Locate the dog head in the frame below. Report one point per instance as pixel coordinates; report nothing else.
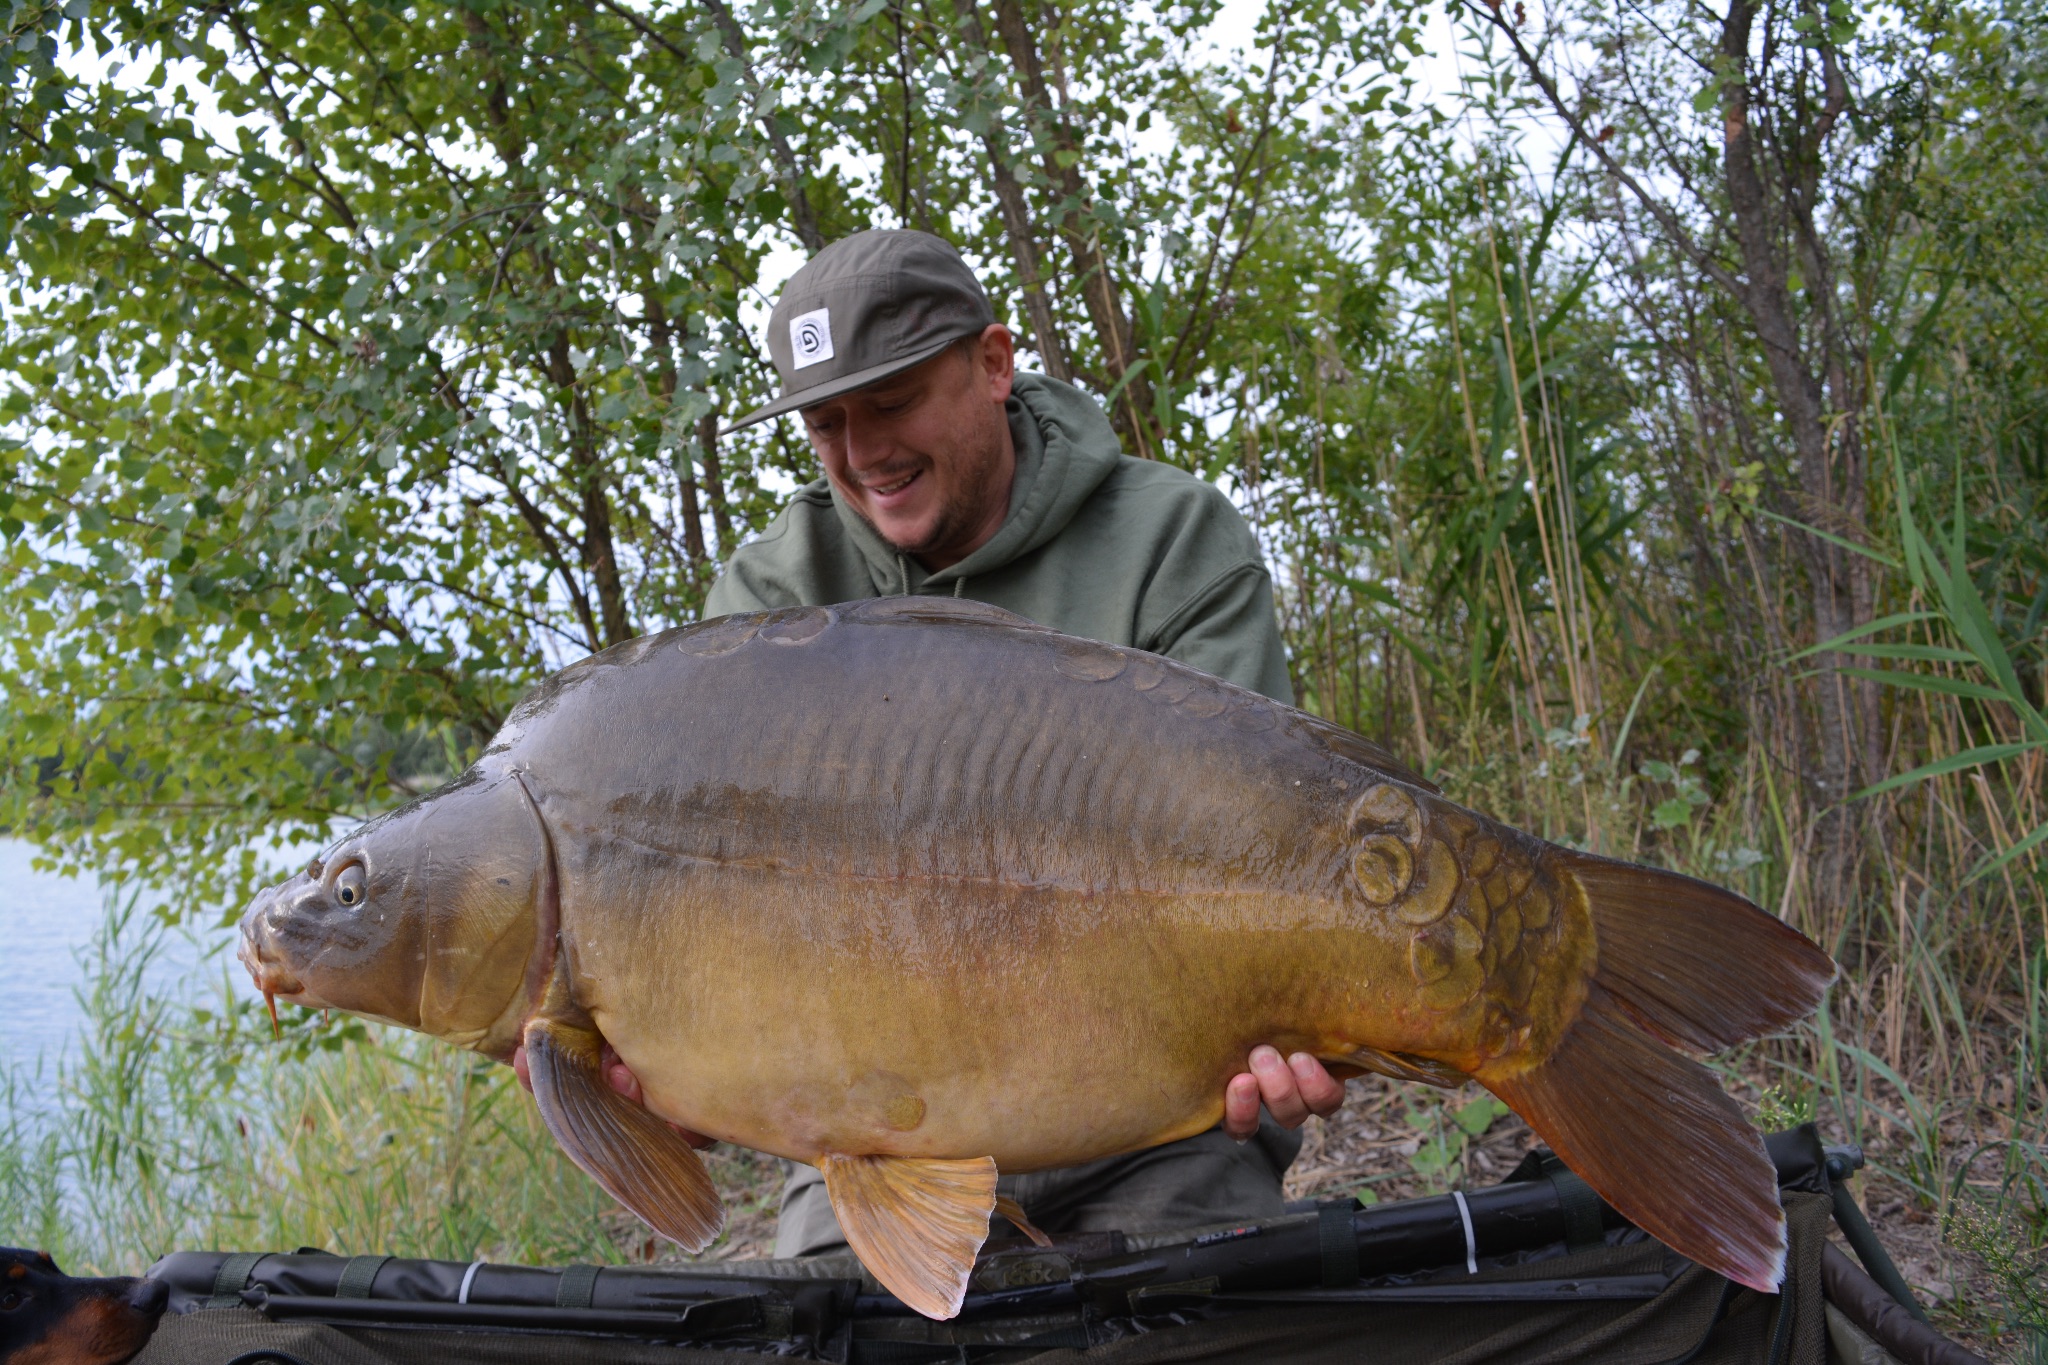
(50, 1318)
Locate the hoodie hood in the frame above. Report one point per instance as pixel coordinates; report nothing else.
(1065, 449)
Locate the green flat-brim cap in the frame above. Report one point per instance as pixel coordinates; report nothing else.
(866, 307)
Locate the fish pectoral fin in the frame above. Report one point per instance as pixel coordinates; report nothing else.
(1405, 1066)
(1014, 1212)
(641, 1161)
(915, 1222)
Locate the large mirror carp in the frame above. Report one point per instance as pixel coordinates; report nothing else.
(908, 889)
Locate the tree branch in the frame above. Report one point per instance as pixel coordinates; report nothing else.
(802, 218)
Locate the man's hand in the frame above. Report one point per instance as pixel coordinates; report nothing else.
(1292, 1089)
(623, 1080)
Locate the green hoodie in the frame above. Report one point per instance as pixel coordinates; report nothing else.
(1127, 551)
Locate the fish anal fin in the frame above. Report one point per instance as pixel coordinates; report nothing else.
(1405, 1066)
(1685, 1167)
(915, 1222)
(641, 1161)
(1014, 1212)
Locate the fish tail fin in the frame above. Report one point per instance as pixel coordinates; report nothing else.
(1697, 965)
(1681, 965)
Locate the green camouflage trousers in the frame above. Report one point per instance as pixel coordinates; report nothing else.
(1208, 1178)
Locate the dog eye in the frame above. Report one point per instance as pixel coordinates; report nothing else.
(11, 1301)
(348, 887)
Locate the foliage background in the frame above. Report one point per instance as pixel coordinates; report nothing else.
(1643, 407)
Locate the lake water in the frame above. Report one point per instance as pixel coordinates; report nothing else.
(46, 927)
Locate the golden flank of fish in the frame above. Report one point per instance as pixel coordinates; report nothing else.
(910, 889)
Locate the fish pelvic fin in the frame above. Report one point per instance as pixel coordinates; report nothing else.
(639, 1160)
(1654, 1135)
(1405, 1066)
(915, 1222)
(1014, 1211)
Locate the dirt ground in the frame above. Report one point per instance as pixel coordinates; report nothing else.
(1394, 1141)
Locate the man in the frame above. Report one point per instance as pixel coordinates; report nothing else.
(946, 472)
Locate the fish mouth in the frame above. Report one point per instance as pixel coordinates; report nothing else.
(272, 977)
(258, 952)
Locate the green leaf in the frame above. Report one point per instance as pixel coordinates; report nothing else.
(1479, 1115)
(1672, 813)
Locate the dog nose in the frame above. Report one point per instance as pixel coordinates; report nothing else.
(149, 1296)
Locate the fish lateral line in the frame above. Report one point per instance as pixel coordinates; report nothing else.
(1309, 886)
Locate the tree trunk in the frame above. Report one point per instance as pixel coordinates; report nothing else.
(663, 337)
(1132, 411)
(1017, 225)
(714, 481)
(600, 556)
(1831, 492)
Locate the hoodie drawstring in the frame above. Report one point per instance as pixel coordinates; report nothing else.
(903, 572)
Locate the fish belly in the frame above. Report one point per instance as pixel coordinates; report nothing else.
(1038, 1026)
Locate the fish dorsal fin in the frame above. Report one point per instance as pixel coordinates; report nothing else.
(915, 1222)
(1356, 747)
(641, 1161)
(932, 611)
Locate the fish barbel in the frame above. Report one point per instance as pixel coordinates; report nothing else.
(909, 889)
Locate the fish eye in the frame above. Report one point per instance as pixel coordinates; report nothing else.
(348, 886)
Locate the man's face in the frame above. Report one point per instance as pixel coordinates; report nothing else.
(926, 456)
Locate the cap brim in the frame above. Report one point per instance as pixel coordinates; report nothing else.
(845, 384)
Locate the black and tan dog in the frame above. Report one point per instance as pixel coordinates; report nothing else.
(50, 1318)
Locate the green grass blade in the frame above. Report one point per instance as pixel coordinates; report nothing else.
(1901, 618)
(1926, 682)
(1991, 864)
(1972, 622)
(1926, 653)
(1628, 721)
(1851, 546)
(1968, 758)
(1902, 366)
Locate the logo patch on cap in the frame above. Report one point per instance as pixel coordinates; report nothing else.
(810, 337)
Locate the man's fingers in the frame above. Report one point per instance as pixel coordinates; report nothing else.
(621, 1078)
(1320, 1091)
(1278, 1087)
(1241, 1106)
(619, 1075)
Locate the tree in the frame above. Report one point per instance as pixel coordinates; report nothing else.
(365, 364)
